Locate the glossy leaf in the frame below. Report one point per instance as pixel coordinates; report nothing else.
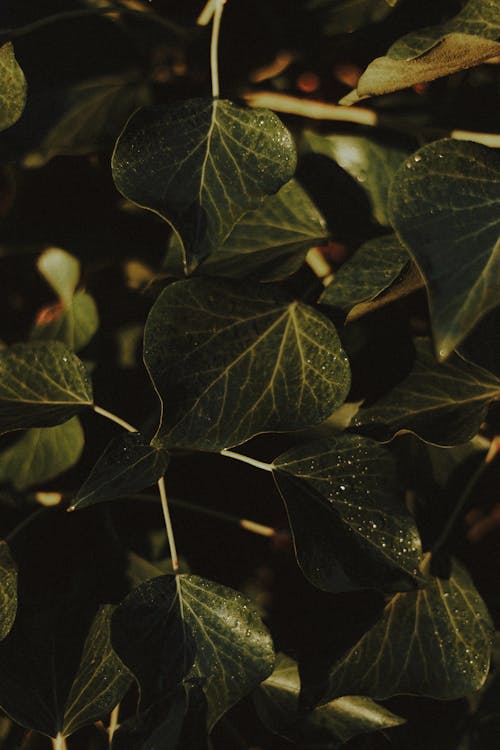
(8, 590)
(268, 244)
(12, 87)
(74, 325)
(175, 629)
(444, 206)
(372, 163)
(41, 454)
(324, 728)
(201, 164)
(231, 360)
(128, 465)
(369, 272)
(41, 385)
(434, 642)
(441, 403)
(351, 529)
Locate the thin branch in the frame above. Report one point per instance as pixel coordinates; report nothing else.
(168, 525)
(247, 460)
(114, 418)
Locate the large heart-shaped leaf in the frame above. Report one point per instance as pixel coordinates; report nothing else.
(12, 87)
(129, 464)
(269, 243)
(444, 205)
(184, 628)
(42, 453)
(8, 590)
(41, 385)
(324, 728)
(442, 403)
(350, 527)
(231, 360)
(201, 164)
(435, 642)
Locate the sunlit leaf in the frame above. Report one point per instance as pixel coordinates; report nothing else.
(12, 87)
(231, 360)
(201, 164)
(8, 590)
(61, 271)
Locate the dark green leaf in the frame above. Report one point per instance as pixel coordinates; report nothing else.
(184, 628)
(74, 325)
(370, 162)
(444, 206)
(8, 590)
(435, 641)
(12, 87)
(128, 465)
(482, 346)
(269, 243)
(369, 272)
(350, 527)
(41, 385)
(201, 164)
(41, 454)
(345, 16)
(324, 728)
(231, 360)
(441, 403)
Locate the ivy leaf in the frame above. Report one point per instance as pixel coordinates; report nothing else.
(371, 162)
(185, 628)
(12, 87)
(466, 40)
(326, 727)
(74, 325)
(128, 465)
(443, 205)
(8, 590)
(201, 164)
(350, 527)
(268, 244)
(482, 346)
(441, 403)
(369, 272)
(41, 385)
(435, 641)
(41, 454)
(232, 360)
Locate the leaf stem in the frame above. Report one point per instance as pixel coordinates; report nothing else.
(214, 47)
(113, 722)
(59, 742)
(114, 418)
(168, 525)
(247, 460)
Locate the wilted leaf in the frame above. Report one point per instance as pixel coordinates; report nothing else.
(8, 590)
(444, 206)
(12, 87)
(351, 529)
(231, 360)
(201, 164)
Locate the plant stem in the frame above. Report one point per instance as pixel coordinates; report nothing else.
(247, 460)
(114, 418)
(168, 525)
(59, 742)
(113, 722)
(214, 47)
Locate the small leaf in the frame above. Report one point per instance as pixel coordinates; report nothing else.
(184, 628)
(441, 403)
(12, 87)
(444, 206)
(369, 272)
(232, 360)
(350, 528)
(324, 728)
(435, 641)
(345, 16)
(8, 590)
(128, 465)
(268, 244)
(41, 454)
(61, 271)
(201, 164)
(74, 325)
(41, 385)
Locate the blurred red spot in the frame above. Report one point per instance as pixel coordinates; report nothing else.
(308, 82)
(347, 73)
(335, 252)
(49, 314)
(420, 88)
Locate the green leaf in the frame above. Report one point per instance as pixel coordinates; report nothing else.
(444, 206)
(12, 87)
(8, 590)
(371, 162)
(128, 465)
(74, 325)
(466, 40)
(61, 271)
(370, 271)
(268, 244)
(201, 164)
(482, 346)
(324, 728)
(232, 360)
(42, 454)
(441, 403)
(351, 529)
(184, 628)
(41, 385)
(345, 16)
(435, 641)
